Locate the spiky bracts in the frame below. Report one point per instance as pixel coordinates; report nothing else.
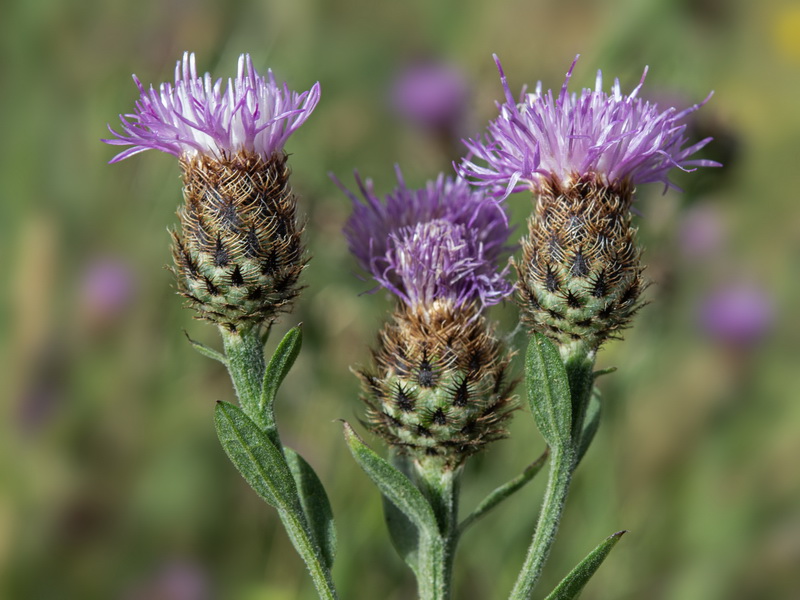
(439, 389)
(580, 277)
(238, 254)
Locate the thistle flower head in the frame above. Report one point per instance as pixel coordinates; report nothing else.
(621, 140)
(441, 242)
(195, 115)
(238, 252)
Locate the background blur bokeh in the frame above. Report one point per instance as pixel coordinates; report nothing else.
(112, 482)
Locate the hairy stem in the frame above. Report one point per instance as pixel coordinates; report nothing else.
(301, 538)
(244, 351)
(562, 463)
(440, 485)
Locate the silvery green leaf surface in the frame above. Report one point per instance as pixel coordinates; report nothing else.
(393, 484)
(403, 533)
(279, 365)
(315, 504)
(572, 585)
(258, 460)
(548, 391)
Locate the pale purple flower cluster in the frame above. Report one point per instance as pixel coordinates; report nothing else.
(195, 115)
(614, 137)
(441, 242)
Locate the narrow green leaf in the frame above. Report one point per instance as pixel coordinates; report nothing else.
(591, 422)
(206, 351)
(548, 391)
(279, 365)
(503, 492)
(395, 486)
(403, 533)
(258, 460)
(606, 371)
(571, 586)
(315, 505)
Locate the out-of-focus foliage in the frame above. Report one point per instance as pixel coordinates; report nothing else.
(113, 481)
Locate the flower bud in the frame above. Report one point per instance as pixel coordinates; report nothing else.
(238, 253)
(580, 275)
(440, 385)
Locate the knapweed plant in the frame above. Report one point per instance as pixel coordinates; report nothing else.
(440, 384)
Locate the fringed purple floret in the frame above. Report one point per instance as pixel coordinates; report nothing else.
(441, 242)
(195, 115)
(615, 137)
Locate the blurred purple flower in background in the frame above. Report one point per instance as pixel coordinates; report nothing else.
(106, 289)
(701, 231)
(176, 580)
(737, 314)
(432, 95)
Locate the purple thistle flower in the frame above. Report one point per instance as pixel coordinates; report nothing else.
(617, 138)
(195, 115)
(441, 242)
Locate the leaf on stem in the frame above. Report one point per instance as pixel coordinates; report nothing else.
(395, 486)
(403, 533)
(606, 371)
(279, 365)
(548, 391)
(315, 504)
(503, 492)
(571, 586)
(258, 460)
(206, 351)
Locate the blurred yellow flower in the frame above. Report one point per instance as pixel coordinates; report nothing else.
(786, 32)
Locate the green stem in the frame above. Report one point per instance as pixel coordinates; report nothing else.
(562, 464)
(579, 364)
(440, 485)
(301, 538)
(244, 351)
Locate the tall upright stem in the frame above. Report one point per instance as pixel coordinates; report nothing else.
(244, 351)
(562, 464)
(246, 366)
(578, 362)
(440, 485)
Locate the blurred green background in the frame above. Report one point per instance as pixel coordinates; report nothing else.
(113, 484)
